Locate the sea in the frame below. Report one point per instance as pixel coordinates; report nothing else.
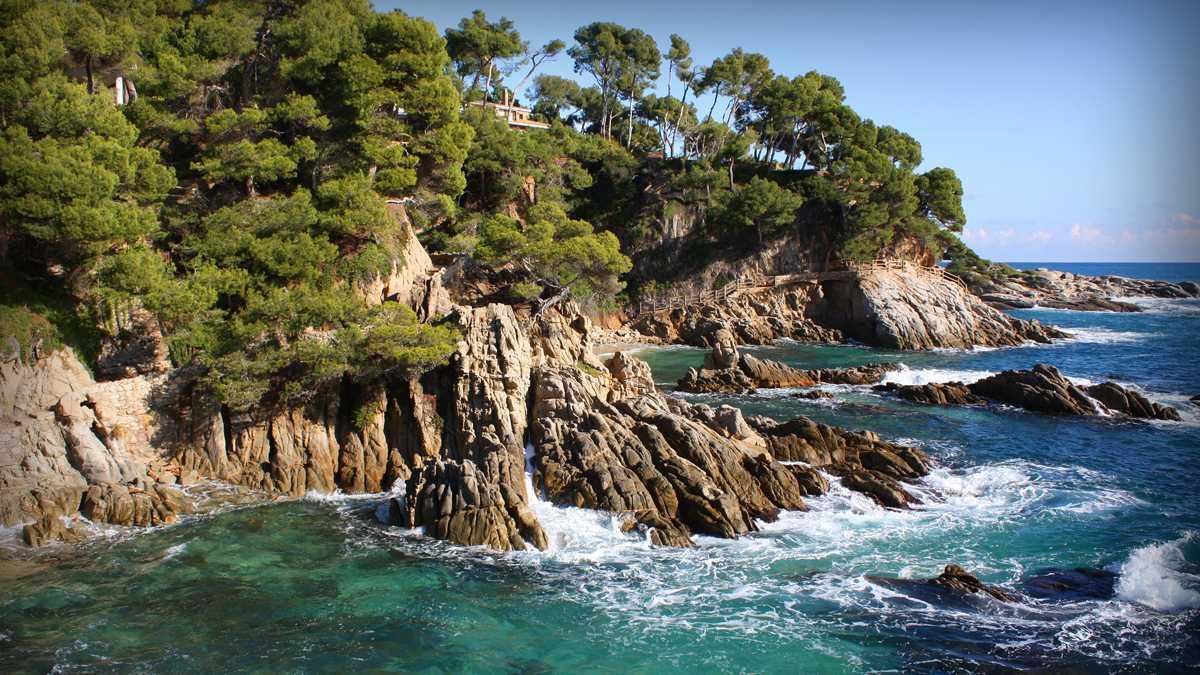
(1094, 523)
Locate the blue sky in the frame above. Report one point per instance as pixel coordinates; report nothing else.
(1073, 125)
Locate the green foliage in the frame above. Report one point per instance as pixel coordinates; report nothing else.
(760, 205)
(28, 331)
(556, 247)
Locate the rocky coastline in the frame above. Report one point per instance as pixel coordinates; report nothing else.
(1064, 290)
(524, 391)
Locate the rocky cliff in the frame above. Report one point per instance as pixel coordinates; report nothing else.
(903, 308)
(522, 397)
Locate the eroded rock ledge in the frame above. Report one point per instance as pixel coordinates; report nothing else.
(1041, 389)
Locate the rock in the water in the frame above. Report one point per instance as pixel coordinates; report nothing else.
(1071, 585)
(1118, 399)
(746, 372)
(862, 461)
(1041, 389)
(949, 393)
(958, 579)
(1065, 290)
(1044, 389)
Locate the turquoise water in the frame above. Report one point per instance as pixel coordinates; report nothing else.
(318, 585)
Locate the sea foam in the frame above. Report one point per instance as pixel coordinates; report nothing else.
(1154, 575)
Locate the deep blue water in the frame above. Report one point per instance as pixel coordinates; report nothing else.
(319, 585)
(1176, 271)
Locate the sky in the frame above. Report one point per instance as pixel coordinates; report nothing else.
(1073, 125)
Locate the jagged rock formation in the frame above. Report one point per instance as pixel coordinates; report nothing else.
(862, 461)
(909, 308)
(729, 371)
(1064, 290)
(598, 434)
(1041, 389)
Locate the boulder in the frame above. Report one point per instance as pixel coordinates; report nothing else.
(911, 307)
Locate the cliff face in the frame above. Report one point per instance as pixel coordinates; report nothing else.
(903, 308)
(909, 308)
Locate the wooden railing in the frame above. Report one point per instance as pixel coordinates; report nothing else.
(756, 282)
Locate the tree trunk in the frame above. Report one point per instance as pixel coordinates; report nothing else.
(629, 134)
(87, 63)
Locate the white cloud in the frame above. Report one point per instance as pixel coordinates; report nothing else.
(1186, 218)
(1039, 236)
(976, 234)
(1006, 234)
(1085, 232)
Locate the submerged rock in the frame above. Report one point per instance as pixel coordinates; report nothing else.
(953, 586)
(1072, 585)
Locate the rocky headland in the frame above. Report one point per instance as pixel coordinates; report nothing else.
(1064, 290)
(524, 391)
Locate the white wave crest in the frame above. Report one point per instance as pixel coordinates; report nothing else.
(906, 375)
(1166, 305)
(1107, 336)
(1152, 576)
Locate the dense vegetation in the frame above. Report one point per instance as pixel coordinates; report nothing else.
(276, 151)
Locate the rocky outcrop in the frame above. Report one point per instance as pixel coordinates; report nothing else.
(69, 444)
(1041, 389)
(911, 308)
(862, 461)
(1064, 290)
(675, 469)
(958, 579)
(948, 393)
(726, 370)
